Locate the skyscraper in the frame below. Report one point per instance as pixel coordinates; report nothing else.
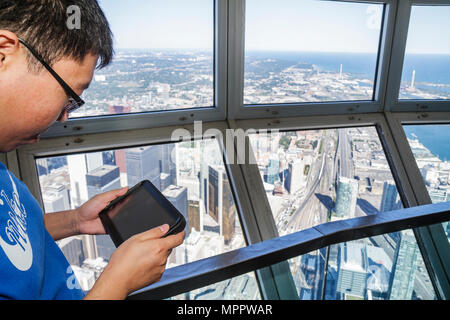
(194, 218)
(347, 193)
(143, 163)
(168, 162)
(100, 180)
(352, 269)
(178, 197)
(79, 166)
(221, 204)
(272, 171)
(405, 266)
(390, 199)
(56, 198)
(295, 178)
(73, 250)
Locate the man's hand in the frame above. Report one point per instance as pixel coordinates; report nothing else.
(88, 221)
(137, 263)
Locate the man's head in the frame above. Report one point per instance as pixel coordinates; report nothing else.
(31, 99)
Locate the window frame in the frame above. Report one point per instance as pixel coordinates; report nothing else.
(393, 103)
(120, 122)
(256, 216)
(27, 156)
(238, 111)
(432, 240)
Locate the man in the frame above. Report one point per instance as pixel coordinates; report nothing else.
(44, 68)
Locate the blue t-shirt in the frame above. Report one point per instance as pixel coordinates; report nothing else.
(32, 267)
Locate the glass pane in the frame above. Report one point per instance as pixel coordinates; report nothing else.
(310, 51)
(426, 70)
(244, 287)
(386, 267)
(430, 145)
(313, 177)
(164, 58)
(191, 175)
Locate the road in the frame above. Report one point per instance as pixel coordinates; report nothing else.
(311, 210)
(344, 155)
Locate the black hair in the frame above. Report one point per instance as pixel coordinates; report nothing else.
(44, 24)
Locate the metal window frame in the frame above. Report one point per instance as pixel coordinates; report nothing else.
(121, 122)
(27, 156)
(236, 108)
(256, 216)
(432, 239)
(393, 103)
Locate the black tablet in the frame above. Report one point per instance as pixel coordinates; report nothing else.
(142, 208)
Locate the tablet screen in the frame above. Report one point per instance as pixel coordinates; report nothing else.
(143, 209)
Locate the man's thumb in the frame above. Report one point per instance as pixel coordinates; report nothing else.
(156, 233)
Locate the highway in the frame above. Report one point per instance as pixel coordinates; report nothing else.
(312, 208)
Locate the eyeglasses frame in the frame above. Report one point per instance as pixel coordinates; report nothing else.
(75, 101)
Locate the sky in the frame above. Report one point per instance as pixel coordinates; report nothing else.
(281, 25)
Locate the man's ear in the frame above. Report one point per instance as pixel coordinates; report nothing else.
(9, 45)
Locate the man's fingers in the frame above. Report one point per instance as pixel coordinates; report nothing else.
(155, 233)
(113, 194)
(174, 240)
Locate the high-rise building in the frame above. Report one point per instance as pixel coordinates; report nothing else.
(143, 163)
(194, 218)
(168, 162)
(102, 179)
(165, 180)
(352, 270)
(73, 250)
(378, 272)
(272, 171)
(178, 197)
(405, 266)
(390, 199)
(42, 166)
(295, 176)
(56, 198)
(221, 204)
(79, 165)
(203, 176)
(347, 193)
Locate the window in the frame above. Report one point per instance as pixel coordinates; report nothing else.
(164, 58)
(386, 267)
(313, 177)
(310, 51)
(243, 287)
(430, 145)
(191, 175)
(426, 70)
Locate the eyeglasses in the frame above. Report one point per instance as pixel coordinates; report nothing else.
(75, 101)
